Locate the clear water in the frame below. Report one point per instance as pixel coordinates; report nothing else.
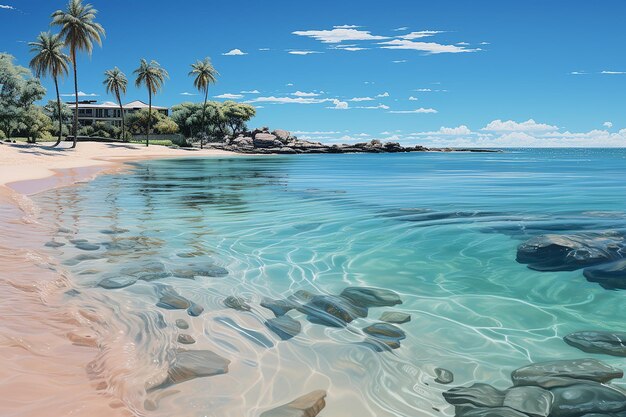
(440, 229)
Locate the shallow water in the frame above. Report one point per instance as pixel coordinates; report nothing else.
(440, 229)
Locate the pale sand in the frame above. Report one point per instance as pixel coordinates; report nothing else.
(47, 347)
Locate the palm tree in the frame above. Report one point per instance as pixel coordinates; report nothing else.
(152, 76)
(115, 82)
(204, 74)
(79, 32)
(50, 60)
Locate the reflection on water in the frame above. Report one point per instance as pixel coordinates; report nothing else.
(441, 230)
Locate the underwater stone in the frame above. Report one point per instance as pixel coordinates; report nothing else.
(86, 246)
(479, 395)
(588, 369)
(284, 326)
(54, 244)
(173, 301)
(308, 405)
(385, 331)
(190, 364)
(395, 317)
(213, 271)
(113, 231)
(117, 282)
(331, 310)
(185, 339)
(278, 307)
(147, 271)
(487, 412)
(534, 401)
(444, 376)
(80, 258)
(371, 297)
(76, 241)
(195, 310)
(380, 345)
(610, 343)
(182, 324)
(569, 252)
(585, 398)
(236, 303)
(610, 276)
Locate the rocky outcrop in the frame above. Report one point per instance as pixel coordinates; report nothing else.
(281, 141)
(609, 343)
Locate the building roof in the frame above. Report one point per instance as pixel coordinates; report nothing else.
(133, 105)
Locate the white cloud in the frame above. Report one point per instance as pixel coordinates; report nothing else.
(413, 98)
(380, 106)
(339, 105)
(188, 94)
(234, 52)
(289, 84)
(484, 43)
(459, 130)
(350, 47)
(264, 49)
(304, 52)
(250, 92)
(608, 125)
(361, 99)
(420, 110)
(400, 61)
(385, 94)
(400, 29)
(80, 94)
(304, 94)
(229, 96)
(510, 126)
(7, 7)
(428, 47)
(420, 34)
(337, 35)
(613, 72)
(346, 27)
(578, 73)
(462, 43)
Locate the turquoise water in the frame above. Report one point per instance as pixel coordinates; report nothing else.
(441, 229)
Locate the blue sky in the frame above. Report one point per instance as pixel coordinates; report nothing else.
(446, 73)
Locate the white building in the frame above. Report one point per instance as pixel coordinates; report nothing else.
(89, 111)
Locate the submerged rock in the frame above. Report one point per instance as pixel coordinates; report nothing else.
(371, 297)
(533, 401)
(117, 282)
(278, 307)
(570, 252)
(284, 326)
(252, 335)
(195, 310)
(385, 331)
(610, 276)
(185, 339)
(308, 405)
(236, 303)
(609, 343)
(173, 301)
(395, 317)
(487, 412)
(147, 271)
(588, 369)
(444, 376)
(114, 231)
(586, 398)
(478, 395)
(54, 244)
(86, 246)
(189, 364)
(182, 324)
(81, 258)
(212, 271)
(331, 310)
(380, 345)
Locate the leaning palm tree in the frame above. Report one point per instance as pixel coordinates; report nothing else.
(50, 60)
(152, 76)
(79, 32)
(204, 74)
(115, 82)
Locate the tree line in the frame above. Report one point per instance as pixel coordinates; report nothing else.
(54, 54)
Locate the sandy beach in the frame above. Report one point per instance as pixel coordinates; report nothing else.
(47, 350)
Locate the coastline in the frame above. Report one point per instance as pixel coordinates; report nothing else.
(47, 344)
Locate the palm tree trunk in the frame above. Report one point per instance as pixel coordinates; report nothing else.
(119, 100)
(76, 97)
(149, 116)
(60, 114)
(206, 95)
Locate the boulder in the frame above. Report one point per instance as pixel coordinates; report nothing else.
(569, 252)
(395, 317)
(385, 331)
(171, 300)
(185, 339)
(281, 134)
(610, 276)
(371, 297)
(533, 401)
(284, 326)
(195, 310)
(242, 142)
(609, 343)
(86, 246)
(331, 310)
(478, 395)
(266, 140)
(237, 303)
(117, 282)
(444, 376)
(189, 364)
(585, 398)
(308, 405)
(587, 369)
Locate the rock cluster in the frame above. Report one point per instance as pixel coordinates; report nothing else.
(562, 388)
(283, 142)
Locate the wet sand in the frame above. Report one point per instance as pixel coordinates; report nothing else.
(47, 350)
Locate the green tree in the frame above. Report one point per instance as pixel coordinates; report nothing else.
(188, 117)
(139, 121)
(236, 115)
(152, 76)
(79, 31)
(50, 60)
(18, 92)
(35, 124)
(204, 74)
(52, 111)
(115, 82)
